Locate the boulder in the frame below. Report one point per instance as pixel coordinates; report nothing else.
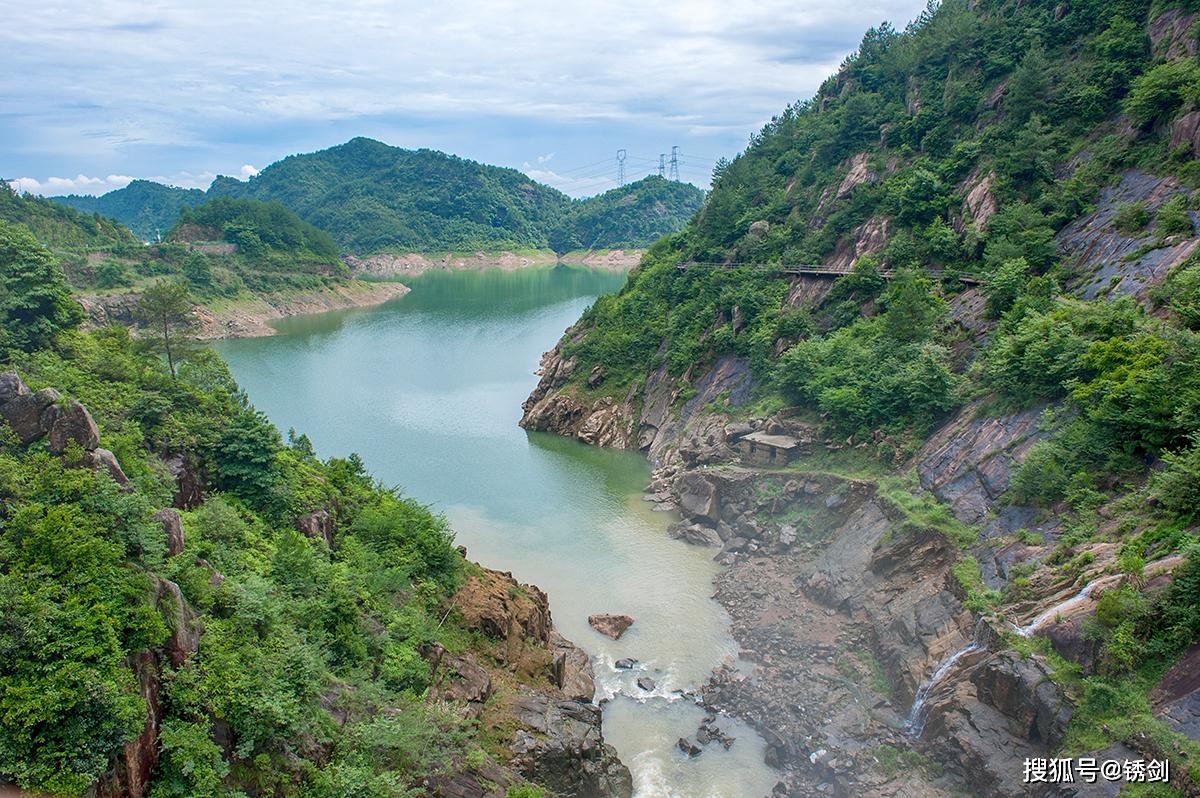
(72, 424)
(571, 669)
(11, 387)
(184, 638)
(646, 683)
(595, 376)
(317, 525)
(610, 625)
(625, 663)
(696, 534)
(1186, 131)
(688, 747)
(104, 459)
(561, 747)
(698, 497)
(172, 526)
(461, 678)
(24, 414)
(189, 488)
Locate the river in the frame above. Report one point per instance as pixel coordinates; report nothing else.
(428, 389)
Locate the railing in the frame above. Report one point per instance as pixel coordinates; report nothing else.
(816, 270)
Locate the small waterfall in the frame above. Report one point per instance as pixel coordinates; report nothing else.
(915, 723)
(1066, 605)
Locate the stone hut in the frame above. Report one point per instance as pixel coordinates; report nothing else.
(764, 449)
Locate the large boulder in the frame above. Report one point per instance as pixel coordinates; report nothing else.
(24, 414)
(698, 496)
(184, 625)
(106, 460)
(317, 525)
(571, 669)
(189, 486)
(70, 424)
(561, 747)
(610, 625)
(494, 603)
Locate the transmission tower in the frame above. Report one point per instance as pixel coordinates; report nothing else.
(662, 164)
(621, 167)
(675, 163)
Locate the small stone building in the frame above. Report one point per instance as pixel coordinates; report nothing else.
(764, 449)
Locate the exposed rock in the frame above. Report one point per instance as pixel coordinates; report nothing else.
(571, 669)
(189, 487)
(595, 376)
(610, 625)
(869, 238)
(317, 525)
(11, 386)
(497, 605)
(760, 229)
(562, 748)
(688, 747)
(646, 683)
(698, 497)
(625, 663)
(460, 678)
(859, 173)
(1176, 699)
(696, 534)
(71, 424)
(1109, 263)
(182, 621)
(1171, 34)
(24, 414)
(130, 778)
(979, 205)
(1186, 131)
(104, 459)
(172, 526)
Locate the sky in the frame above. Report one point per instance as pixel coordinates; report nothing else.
(94, 94)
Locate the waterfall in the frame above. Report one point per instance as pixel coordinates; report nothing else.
(1063, 606)
(915, 723)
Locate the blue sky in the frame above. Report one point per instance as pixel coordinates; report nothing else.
(94, 94)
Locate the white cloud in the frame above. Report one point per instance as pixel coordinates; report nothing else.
(80, 184)
(248, 171)
(545, 158)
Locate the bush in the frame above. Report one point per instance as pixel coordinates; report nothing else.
(35, 300)
(1131, 218)
(1173, 219)
(1162, 90)
(1177, 486)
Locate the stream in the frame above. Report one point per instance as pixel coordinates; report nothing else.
(428, 389)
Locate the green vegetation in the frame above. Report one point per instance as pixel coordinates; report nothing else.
(295, 633)
(147, 208)
(371, 197)
(59, 227)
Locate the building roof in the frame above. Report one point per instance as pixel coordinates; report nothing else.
(786, 442)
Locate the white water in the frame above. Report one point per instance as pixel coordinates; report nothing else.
(1067, 605)
(915, 723)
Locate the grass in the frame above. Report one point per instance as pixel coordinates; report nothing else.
(979, 598)
(892, 761)
(921, 510)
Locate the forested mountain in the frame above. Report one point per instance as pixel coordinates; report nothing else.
(1009, 363)
(147, 208)
(59, 226)
(371, 197)
(631, 216)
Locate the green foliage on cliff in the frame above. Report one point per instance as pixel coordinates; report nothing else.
(308, 678)
(631, 216)
(147, 208)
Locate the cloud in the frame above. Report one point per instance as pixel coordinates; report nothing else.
(80, 184)
(248, 171)
(196, 83)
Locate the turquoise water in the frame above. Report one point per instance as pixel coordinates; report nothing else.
(428, 389)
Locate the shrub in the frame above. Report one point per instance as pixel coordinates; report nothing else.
(1131, 218)
(1173, 219)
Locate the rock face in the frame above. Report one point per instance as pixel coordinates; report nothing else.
(601, 422)
(571, 670)
(172, 526)
(72, 424)
(564, 750)
(1113, 264)
(1171, 34)
(318, 524)
(24, 414)
(130, 778)
(610, 625)
(495, 604)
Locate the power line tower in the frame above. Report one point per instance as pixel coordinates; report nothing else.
(621, 167)
(675, 163)
(662, 164)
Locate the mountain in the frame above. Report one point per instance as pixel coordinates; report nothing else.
(147, 208)
(371, 197)
(61, 227)
(927, 364)
(631, 216)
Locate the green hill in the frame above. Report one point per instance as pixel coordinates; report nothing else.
(631, 216)
(147, 208)
(60, 227)
(370, 196)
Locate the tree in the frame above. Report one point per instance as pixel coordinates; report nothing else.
(912, 309)
(35, 302)
(166, 309)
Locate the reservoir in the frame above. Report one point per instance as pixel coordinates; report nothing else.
(428, 389)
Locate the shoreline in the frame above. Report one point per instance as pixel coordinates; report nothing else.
(411, 264)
